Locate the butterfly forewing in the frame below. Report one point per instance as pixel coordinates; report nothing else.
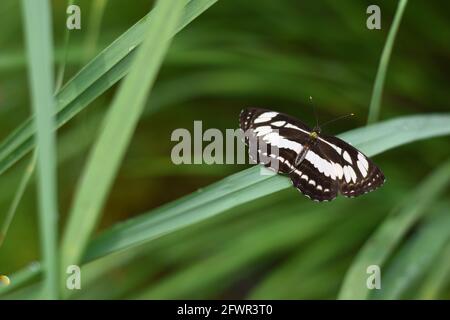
(319, 167)
(287, 134)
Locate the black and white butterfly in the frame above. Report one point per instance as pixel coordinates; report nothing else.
(319, 166)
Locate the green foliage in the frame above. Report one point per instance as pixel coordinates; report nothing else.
(416, 256)
(144, 228)
(37, 21)
(108, 67)
(250, 184)
(387, 236)
(375, 101)
(116, 133)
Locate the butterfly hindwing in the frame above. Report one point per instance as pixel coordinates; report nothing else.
(357, 174)
(312, 184)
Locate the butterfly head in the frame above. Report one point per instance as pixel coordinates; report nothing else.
(315, 133)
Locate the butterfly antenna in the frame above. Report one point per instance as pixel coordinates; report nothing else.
(336, 119)
(315, 111)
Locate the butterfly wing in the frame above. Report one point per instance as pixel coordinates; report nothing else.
(312, 183)
(251, 118)
(356, 174)
(290, 136)
(275, 129)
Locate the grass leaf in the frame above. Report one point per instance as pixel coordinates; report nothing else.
(438, 278)
(38, 35)
(95, 20)
(17, 197)
(108, 67)
(249, 184)
(323, 251)
(117, 131)
(382, 243)
(226, 265)
(415, 257)
(62, 65)
(377, 93)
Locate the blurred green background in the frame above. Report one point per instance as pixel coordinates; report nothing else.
(265, 53)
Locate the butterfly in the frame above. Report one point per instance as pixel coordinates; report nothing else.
(319, 166)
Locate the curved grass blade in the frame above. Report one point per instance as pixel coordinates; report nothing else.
(17, 197)
(416, 256)
(382, 243)
(117, 131)
(438, 278)
(277, 284)
(36, 291)
(95, 20)
(249, 184)
(95, 78)
(38, 35)
(188, 244)
(375, 101)
(170, 249)
(21, 278)
(62, 66)
(224, 267)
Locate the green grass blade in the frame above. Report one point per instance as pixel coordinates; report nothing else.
(382, 243)
(326, 249)
(108, 67)
(224, 267)
(188, 244)
(196, 238)
(375, 101)
(249, 184)
(62, 66)
(17, 197)
(121, 48)
(38, 35)
(33, 292)
(22, 278)
(94, 24)
(415, 257)
(438, 277)
(117, 131)
(392, 133)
